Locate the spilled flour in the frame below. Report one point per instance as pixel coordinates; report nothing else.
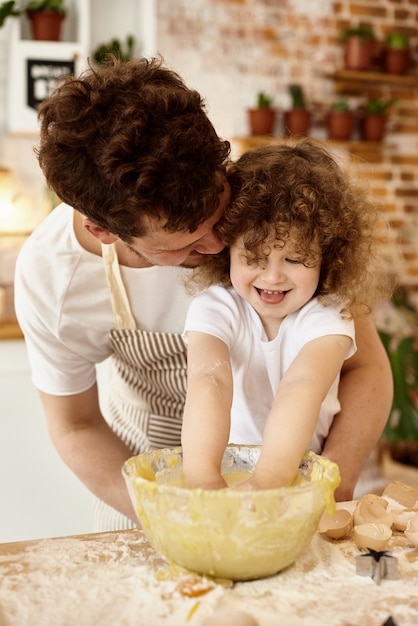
(116, 579)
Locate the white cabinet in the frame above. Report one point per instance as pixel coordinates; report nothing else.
(39, 495)
(34, 66)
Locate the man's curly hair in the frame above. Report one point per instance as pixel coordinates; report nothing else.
(282, 191)
(129, 139)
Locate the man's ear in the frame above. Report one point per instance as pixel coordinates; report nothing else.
(97, 231)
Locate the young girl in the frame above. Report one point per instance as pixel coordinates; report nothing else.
(266, 342)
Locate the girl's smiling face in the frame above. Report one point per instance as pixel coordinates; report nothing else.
(275, 285)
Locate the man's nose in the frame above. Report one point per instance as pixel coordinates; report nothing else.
(210, 244)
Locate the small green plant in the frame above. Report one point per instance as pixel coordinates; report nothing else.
(397, 41)
(375, 106)
(363, 32)
(57, 6)
(399, 335)
(11, 9)
(8, 9)
(122, 51)
(341, 105)
(264, 101)
(297, 95)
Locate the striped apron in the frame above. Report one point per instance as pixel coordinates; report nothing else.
(147, 385)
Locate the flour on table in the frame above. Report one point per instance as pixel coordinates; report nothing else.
(116, 579)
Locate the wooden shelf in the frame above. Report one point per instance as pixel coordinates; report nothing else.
(352, 82)
(255, 141)
(403, 80)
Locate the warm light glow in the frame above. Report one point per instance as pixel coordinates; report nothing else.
(15, 217)
(18, 215)
(6, 209)
(8, 191)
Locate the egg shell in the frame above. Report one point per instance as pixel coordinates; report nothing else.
(336, 526)
(412, 538)
(411, 530)
(375, 499)
(230, 617)
(371, 535)
(371, 512)
(412, 525)
(401, 517)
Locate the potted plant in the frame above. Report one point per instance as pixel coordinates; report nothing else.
(45, 17)
(262, 118)
(373, 124)
(358, 48)
(297, 120)
(397, 323)
(340, 121)
(396, 53)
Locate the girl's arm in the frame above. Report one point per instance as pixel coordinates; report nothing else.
(294, 414)
(206, 420)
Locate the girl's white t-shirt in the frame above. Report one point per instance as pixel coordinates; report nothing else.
(63, 305)
(257, 363)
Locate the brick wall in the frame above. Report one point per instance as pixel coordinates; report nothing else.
(231, 49)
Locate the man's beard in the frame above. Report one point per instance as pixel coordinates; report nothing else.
(198, 261)
(195, 261)
(191, 262)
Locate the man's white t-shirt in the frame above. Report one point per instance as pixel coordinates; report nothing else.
(63, 304)
(257, 363)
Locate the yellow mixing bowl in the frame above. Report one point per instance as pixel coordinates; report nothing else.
(227, 533)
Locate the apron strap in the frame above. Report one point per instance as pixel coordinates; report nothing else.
(122, 313)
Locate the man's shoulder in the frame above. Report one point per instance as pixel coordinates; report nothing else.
(52, 246)
(52, 269)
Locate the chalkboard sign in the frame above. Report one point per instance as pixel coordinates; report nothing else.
(42, 77)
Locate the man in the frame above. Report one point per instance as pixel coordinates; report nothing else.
(142, 174)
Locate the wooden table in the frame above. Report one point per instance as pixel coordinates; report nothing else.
(116, 579)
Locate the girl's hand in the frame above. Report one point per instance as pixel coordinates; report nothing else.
(247, 485)
(206, 482)
(256, 483)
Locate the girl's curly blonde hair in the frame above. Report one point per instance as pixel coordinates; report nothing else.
(299, 190)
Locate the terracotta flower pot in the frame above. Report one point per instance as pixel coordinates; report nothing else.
(358, 53)
(262, 120)
(46, 25)
(373, 127)
(340, 125)
(396, 61)
(297, 122)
